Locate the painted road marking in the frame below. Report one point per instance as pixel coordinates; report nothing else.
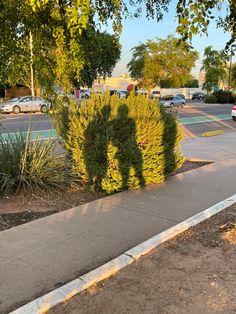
(204, 119)
(45, 134)
(42, 134)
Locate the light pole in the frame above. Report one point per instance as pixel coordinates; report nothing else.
(31, 64)
(232, 52)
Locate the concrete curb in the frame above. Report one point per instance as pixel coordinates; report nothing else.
(64, 293)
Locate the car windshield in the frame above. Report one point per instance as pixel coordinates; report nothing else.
(14, 99)
(167, 98)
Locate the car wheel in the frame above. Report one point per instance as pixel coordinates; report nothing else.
(234, 118)
(171, 105)
(43, 109)
(16, 109)
(182, 105)
(86, 96)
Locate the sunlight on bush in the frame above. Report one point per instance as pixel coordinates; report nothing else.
(118, 144)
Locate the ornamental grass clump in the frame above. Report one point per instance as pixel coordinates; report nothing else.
(32, 165)
(119, 144)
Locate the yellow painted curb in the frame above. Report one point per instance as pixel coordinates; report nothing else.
(213, 133)
(199, 160)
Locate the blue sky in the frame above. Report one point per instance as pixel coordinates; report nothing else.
(137, 31)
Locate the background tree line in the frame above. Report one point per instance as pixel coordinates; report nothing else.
(67, 38)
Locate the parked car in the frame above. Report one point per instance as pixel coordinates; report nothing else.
(198, 96)
(123, 94)
(25, 104)
(234, 113)
(172, 101)
(181, 95)
(84, 94)
(113, 92)
(155, 94)
(141, 93)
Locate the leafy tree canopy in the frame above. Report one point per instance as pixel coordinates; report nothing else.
(214, 65)
(57, 27)
(101, 51)
(233, 74)
(164, 62)
(194, 16)
(192, 83)
(64, 48)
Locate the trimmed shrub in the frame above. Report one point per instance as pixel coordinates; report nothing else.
(31, 165)
(224, 96)
(210, 99)
(118, 144)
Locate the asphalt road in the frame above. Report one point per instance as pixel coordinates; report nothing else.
(200, 118)
(11, 123)
(195, 118)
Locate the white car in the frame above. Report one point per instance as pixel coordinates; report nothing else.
(25, 104)
(234, 113)
(155, 94)
(84, 94)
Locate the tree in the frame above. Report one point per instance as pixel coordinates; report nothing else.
(57, 27)
(193, 16)
(192, 83)
(101, 51)
(214, 65)
(63, 54)
(136, 65)
(162, 62)
(233, 76)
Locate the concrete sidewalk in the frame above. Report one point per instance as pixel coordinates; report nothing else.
(215, 148)
(43, 254)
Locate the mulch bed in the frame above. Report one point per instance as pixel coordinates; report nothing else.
(20, 209)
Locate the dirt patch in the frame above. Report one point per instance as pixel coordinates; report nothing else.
(22, 209)
(193, 273)
(191, 165)
(19, 209)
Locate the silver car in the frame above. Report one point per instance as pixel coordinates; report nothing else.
(25, 104)
(172, 101)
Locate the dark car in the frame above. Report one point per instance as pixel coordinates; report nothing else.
(113, 91)
(198, 96)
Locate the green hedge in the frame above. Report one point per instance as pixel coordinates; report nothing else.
(117, 143)
(210, 99)
(223, 97)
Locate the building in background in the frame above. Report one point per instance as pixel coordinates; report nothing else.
(201, 79)
(119, 83)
